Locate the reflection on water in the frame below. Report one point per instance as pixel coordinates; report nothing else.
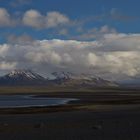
(12, 101)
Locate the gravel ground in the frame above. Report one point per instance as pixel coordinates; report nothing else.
(74, 125)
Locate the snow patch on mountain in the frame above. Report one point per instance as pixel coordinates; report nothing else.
(26, 74)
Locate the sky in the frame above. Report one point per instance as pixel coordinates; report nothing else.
(100, 37)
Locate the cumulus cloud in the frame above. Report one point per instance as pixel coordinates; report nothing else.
(115, 14)
(113, 54)
(4, 49)
(23, 39)
(5, 18)
(95, 33)
(54, 19)
(7, 66)
(35, 19)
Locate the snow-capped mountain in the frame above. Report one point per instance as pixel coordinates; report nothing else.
(27, 77)
(82, 80)
(22, 77)
(24, 74)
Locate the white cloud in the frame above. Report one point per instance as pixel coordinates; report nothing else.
(112, 55)
(55, 58)
(67, 58)
(106, 29)
(95, 33)
(7, 65)
(35, 19)
(4, 49)
(5, 19)
(92, 59)
(54, 19)
(23, 39)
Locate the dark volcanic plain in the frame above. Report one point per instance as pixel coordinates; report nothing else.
(107, 114)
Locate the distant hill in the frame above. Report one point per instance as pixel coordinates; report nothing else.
(80, 80)
(67, 79)
(132, 83)
(22, 77)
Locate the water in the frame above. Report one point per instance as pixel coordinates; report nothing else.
(15, 101)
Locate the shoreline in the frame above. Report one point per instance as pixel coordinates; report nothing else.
(80, 104)
(98, 100)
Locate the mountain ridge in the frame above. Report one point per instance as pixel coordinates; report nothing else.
(28, 77)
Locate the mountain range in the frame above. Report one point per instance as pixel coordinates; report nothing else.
(27, 77)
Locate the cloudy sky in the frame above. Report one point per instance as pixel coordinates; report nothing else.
(100, 37)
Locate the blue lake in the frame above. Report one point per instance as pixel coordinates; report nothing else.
(15, 101)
